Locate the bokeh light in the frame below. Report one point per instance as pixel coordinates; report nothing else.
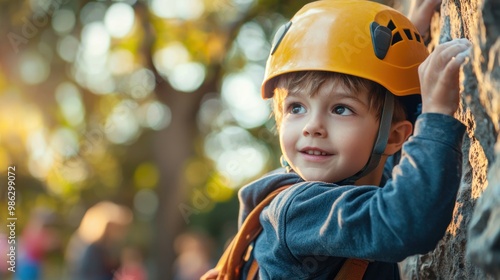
(146, 175)
(70, 101)
(167, 58)
(64, 142)
(119, 19)
(34, 68)
(93, 87)
(154, 115)
(95, 39)
(121, 62)
(186, 9)
(146, 203)
(141, 83)
(253, 42)
(67, 47)
(187, 77)
(92, 12)
(236, 153)
(121, 126)
(242, 96)
(63, 21)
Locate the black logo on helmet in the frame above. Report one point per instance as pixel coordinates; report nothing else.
(280, 34)
(383, 37)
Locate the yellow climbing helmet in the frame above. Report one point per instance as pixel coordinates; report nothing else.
(355, 37)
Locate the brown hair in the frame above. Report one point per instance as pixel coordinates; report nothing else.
(311, 81)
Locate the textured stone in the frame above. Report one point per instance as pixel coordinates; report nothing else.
(484, 230)
(480, 110)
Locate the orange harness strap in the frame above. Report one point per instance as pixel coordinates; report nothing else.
(253, 271)
(234, 257)
(352, 269)
(231, 262)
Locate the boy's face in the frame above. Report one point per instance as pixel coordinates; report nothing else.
(328, 136)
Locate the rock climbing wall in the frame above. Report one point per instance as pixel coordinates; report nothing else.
(464, 254)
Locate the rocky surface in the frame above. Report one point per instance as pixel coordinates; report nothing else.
(476, 254)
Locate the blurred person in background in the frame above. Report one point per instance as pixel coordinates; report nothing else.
(93, 250)
(194, 255)
(132, 265)
(39, 237)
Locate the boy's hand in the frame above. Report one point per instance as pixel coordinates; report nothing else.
(421, 13)
(439, 77)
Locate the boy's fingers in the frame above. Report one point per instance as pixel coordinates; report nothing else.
(462, 41)
(443, 65)
(445, 52)
(451, 52)
(450, 74)
(463, 56)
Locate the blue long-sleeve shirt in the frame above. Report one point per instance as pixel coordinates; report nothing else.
(310, 228)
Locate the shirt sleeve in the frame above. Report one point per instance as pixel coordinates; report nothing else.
(407, 216)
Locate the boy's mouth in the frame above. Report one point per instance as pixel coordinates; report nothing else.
(314, 152)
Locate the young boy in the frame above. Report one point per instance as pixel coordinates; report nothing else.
(333, 72)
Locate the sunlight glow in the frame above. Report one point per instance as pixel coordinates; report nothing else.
(95, 39)
(181, 9)
(40, 156)
(173, 63)
(119, 19)
(187, 77)
(69, 99)
(63, 21)
(252, 40)
(67, 48)
(101, 82)
(242, 95)
(154, 115)
(167, 58)
(64, 142)
(237, 154)
(122, 126)
(211, 110)
(34, 68)
(141, 83)
(92, 12)
(121, 62)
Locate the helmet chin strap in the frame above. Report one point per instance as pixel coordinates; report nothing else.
(380, 143)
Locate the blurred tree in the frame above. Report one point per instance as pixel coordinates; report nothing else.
(103, 100)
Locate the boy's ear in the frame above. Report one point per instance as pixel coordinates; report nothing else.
(400, 131)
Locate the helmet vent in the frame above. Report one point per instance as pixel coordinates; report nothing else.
(391, 25)
(396, 38)
(417, 37)
(408, 34)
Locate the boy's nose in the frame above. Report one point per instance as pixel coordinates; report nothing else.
(315, 128)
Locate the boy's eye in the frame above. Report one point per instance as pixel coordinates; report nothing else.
(342, 110)
(297, 108)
